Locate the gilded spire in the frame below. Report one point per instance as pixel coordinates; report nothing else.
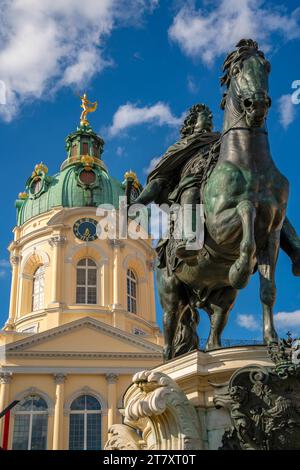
(88, 107)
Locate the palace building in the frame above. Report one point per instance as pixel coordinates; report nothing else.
(82, 310)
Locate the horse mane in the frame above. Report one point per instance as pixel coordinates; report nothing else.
(245, 49)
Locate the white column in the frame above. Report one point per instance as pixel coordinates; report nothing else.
(116, 245)
(112, 399)
(5, 379)
(58, 412)
(56, 243)
(15, 262)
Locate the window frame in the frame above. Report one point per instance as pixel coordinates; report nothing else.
(40, 294)
(31, 414)
(86, 285)
(85, 412)
(132, 302)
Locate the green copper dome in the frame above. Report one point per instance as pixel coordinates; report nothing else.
(83, 180)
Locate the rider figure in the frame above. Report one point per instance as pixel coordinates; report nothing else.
(164, 184)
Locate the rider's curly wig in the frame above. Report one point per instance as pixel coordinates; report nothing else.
(191, 119)
(245, 49)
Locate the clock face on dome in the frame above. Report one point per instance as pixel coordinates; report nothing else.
(86, 229)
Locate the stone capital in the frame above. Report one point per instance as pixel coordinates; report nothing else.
(116, 243)
(111, 378)
(5, 377)
(59, 378)
(14, 260)
(57, 240)
(151, 265)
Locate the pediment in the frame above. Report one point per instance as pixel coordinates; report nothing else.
(86, 336)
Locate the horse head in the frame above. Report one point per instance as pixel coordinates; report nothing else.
(246, 73)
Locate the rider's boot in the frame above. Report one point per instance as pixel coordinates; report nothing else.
(189, 247)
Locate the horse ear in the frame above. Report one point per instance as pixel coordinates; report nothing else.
(242, 42)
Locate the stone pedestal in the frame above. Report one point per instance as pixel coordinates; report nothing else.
(173, 406)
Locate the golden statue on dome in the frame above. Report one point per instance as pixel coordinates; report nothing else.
(88, 107)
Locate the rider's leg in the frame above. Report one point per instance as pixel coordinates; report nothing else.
(188, 201)
(290, 243)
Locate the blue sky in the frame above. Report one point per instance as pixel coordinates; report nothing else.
(147, 62)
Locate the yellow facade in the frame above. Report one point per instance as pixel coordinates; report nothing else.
(65, 350)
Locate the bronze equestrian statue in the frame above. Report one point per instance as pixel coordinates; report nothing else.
(245, 198)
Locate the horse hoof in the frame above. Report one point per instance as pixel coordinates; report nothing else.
(167, 353)
(239, 274)
(271, 339)
(212, 346)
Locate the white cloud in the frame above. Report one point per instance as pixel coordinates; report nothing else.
(4, 266)
(287, 320)
(4, 263)
(129, 115)
(287, 111)
(207, 34)
(193, 87)
(283, 321)
(48, 44)
(151, 165)
(120, 151)
(248, 321)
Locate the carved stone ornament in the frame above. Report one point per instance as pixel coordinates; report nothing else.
(157, 416)
(264, 405)
(57, 240)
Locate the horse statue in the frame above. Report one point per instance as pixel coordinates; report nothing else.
(245, 198)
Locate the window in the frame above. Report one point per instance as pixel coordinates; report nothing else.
(31, 424)
(38, 289)
(138, 332)
(131, 291)
(86, 290)
(36, 186)
(85, 424)
(74, 150)
(30, 329)
(85, 148)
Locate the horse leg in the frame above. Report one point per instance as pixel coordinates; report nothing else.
(290, 243)
(241, 270)
(267, 260)
(173, 301)
(218, 306)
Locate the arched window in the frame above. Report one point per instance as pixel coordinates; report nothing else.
(131, 291)
(31, 424)
(86, 287)
(85, 424)
(38, 289)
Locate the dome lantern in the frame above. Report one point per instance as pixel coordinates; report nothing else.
(83, 179)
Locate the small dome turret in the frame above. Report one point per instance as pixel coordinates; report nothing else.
(83, 180)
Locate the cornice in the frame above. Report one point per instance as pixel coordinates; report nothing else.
(31, 316)
(81, 355)
(207, 363)
(137, 318)
(84, 370)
